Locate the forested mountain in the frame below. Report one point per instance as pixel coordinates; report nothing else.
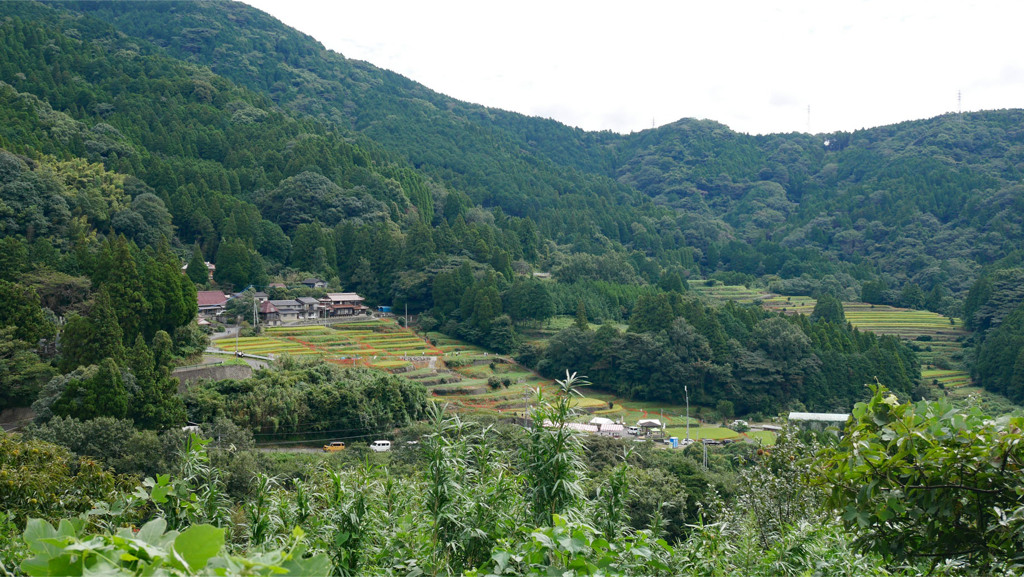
(922, 202)
(211, 124)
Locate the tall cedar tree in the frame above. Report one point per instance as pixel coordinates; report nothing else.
(119, 276)
(581, 316)
(156, 404)
(828, 309)
(88, 340)
(103, 394)
(170, 294)
(197, 272)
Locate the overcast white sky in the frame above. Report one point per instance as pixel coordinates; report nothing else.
(753, 65)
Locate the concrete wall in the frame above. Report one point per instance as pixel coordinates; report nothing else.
(16, 418)
(189, 375)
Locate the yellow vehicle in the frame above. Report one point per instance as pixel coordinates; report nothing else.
(334, 446)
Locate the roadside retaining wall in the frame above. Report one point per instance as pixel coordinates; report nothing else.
(188, 375)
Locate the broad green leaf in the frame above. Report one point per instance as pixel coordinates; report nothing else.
(152, 532)
(500, 559)
(58, 566)
(315, 565)
(159, 494)
(544, 540)
(197, 544)
(35, 531)
(70, 527)
(35, 566)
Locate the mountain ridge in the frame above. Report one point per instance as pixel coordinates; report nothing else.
(732, 200)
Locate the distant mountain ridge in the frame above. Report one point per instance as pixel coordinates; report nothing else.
(927, 203)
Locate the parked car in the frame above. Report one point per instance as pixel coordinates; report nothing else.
(633, 431)
(380, 446)
(334, 446)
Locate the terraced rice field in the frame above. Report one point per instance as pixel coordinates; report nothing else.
(471, 365)
(738, 293)
(790, 305)
(947, 379)
(468, 388)
(465, 387)
(378, 343)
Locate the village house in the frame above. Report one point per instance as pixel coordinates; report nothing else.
(258, 295)
(342, 304)
(211, 303)
(310, 307)
(288, 310)
(269, 315)
(315, 283)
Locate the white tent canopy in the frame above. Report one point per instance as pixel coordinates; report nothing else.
(823, 417)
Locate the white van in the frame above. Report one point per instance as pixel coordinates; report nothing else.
(633, 431)
(380, 446)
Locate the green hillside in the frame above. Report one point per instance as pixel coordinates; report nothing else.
(873, 205)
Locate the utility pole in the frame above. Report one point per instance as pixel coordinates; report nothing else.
(685, 390)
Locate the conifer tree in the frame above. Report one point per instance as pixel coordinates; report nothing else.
(234, 264)
(101, 394)
(581, 316)
(156, 405)
(123, 284)
(419, 245)
(197, 267)
(828, 309)
(87, 340)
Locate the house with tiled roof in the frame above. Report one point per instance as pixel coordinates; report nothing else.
(311, 308)
(260, 296)
(269, 315)
(211, 303)
(288, 310)
(343, 304)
